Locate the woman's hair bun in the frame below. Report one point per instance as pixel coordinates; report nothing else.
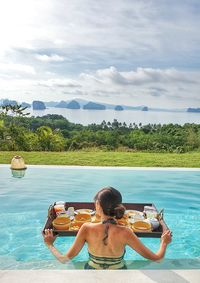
(119, 211)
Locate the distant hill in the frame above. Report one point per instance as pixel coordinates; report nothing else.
(25, 104)
(73, 105)
(50, 103)
(83, 102)
(86, 104)
(38, 105)
(119, 108)
(195, 110)
(62, 104)
(94, 106)
(8, 102)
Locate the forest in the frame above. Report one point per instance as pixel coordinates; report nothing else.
(56, 133)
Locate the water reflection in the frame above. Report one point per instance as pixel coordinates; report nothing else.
(18, 173)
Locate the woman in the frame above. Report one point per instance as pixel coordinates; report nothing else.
(107, 240)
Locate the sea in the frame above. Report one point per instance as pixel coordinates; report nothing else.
(86, 117)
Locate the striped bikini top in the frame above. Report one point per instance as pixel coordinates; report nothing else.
(106, 262)
(102, 262)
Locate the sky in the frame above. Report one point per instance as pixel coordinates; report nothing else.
(133, 52)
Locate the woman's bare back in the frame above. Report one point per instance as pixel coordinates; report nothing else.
(115, 242)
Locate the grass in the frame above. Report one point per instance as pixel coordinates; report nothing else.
(100, 158)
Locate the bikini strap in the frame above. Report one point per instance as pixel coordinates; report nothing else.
(107, 221)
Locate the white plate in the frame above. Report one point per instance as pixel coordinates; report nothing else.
(133, 213)
(84, 210)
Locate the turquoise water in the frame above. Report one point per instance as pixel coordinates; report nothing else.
(24, 203)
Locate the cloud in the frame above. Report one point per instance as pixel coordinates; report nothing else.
(140, 76)
(59, 83)
(126, 33)
(49, 58)
(19, 68)
(118, 50)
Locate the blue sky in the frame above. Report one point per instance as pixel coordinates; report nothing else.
(130, 52)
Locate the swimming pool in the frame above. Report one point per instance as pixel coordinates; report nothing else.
(24, 203)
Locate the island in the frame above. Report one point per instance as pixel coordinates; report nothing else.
(38, 105)
(25, 104)
(194, 110)
(94, 106)
(9, 102)
(73, 105)
(145, 108)
(119, 108)
(62, 104)
(51, 103)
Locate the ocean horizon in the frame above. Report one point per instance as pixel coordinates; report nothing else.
(86, 117)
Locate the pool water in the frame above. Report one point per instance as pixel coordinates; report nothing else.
(24, 203)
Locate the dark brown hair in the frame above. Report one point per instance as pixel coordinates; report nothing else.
(110, 200)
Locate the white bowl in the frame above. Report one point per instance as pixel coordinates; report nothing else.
(154, 223)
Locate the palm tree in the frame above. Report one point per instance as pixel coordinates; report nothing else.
(17, 110)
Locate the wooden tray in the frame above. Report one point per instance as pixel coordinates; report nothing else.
(78, 205)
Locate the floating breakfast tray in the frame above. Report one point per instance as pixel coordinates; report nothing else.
(89, 205)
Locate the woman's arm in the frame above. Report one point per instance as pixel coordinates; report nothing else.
(139, 247)
(74, 249)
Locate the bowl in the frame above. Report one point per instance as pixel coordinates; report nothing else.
(154, 223)
(141, 226)
(82, 218)
(61, 223)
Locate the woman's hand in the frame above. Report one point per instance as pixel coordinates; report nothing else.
(48, 236)
(166, 237)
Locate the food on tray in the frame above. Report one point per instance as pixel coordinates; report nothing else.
(122, 221)
(84, 210)
(154, 223)
(150, 212)
(133, 213)
(96, 219)
(70, 211)
(125, 216)
(141, 226)
(68, 219)
(61, 223)
(82, 217)
(58, 207)
(74, 226)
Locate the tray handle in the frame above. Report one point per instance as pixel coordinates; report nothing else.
(51, 212)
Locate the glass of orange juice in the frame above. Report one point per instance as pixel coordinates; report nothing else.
(59, 206)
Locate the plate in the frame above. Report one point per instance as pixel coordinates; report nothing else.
(84, 210)
(134, 213)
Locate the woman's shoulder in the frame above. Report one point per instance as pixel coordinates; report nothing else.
(90, 225)
(124, 230)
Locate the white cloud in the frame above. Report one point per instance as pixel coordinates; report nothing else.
(141, 76)
(57, 83)
(16, 68)
(49, 58)
(154, 50)
(154, 87)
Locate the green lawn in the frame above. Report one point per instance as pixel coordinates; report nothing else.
(100, 158)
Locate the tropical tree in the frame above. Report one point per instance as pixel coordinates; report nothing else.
(14, 110)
